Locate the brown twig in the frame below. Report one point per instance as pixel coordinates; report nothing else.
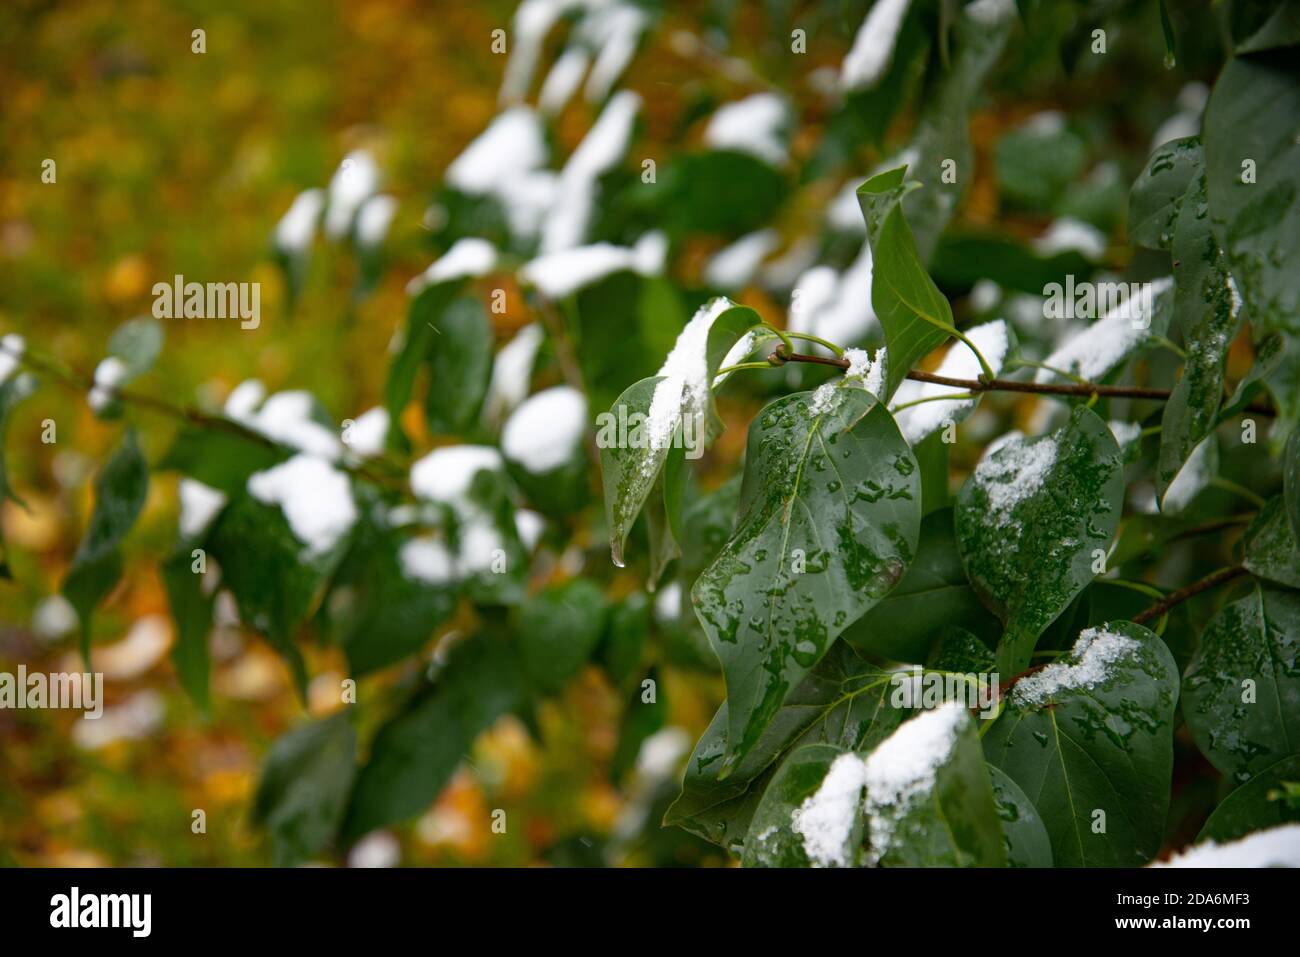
(1180, 596)
(1082, 389)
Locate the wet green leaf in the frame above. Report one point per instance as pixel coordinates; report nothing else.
(1241, 693)
(1262, 802)
(1090, 742)
(828, 523)
(1157, 193)
(460, 363)
(935, 592)
(914, 314)
(1270, 546)
(120, 490)
(558, 630)
(844, 701)
(772, 840)
(1030, 522)
(1024, 834)
(1291, 482)
(1253, 158)
(304, 787)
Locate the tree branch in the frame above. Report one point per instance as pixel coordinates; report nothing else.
(1082, 389)
(1177, 598)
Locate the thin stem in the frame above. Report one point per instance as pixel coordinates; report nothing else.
(743, 365)
(1212, 580)
(1230, 486)
(934, 398)
(1082, 390)
(784, 336)
(1031, 364)
(79, 382)
(806, 337)
(988, 375)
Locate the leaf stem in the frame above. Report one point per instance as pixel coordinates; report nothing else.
(1082, 389)
(1177, 598)
(807, 337)
(988, 375)
(934, 398)
(1230, 486)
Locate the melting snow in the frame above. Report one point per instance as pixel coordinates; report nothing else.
(199, 506)
(560, 274)
(826, 818)
(1274, 847)
(1091, 659)
(467, 257)
(544, 432)
(563, 80)
(316, 500)
(369, 432)
(1012, 473)
(446, 474)
(511, 146)
(752, 125)
(873, 47)
(903, 767)
(1107, 342)
(109, 374)
(960, 362)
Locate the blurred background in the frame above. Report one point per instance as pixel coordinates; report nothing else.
(176, 162)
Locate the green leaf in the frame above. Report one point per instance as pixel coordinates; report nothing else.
(934, 592)
(641, 719)
(1094, 733)
(418, 338)
(1251, 119)
(929, 798)
(1204, 306)
(304, 787)
(844, 701)
(1030, 520)
(634, 447)
(460, 363)
(390, 615)
(120, 490)
(221, 460)
(1262, 802)
(912, 311)
(1036, 162)
(1241, 694)
(559, 629)
(829, 517)
(192, 611)
(623, 645)
(1270, 546)
(957, 650)
(1023, 832)
(1281, 29)
(415, 753)
(773, 839)
(274, 578)
(1158, 191)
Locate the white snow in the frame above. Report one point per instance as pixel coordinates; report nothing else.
(199, 506)
(614, 31)
(109, 374)
(1067, 234)
(446, 474)
(1195, 474)
(316, 500)
(12, 347)
(480, 543)
(426, 559)
(1012, 473)
(836, 306)
(286, 417)
(826, 818)
(560, 274)
(919, 421)
(753, 125)
(511, 371)
(872, 371)
(988, 13)
(563, 80)
(376, 849)
(1090, 662)
(1273, 847)
(903, 767)
(374, 218)
(873, 47)
(353, 183)
(143, 646)
(533, 21)
(1100, 347)
(546, 430)
(468, 257)
(844, 214)
(984, 295)
(569, 219)
(825, 398)
(687, 374)
(244, 398)
(668, 603)
(53, 618)
(661, 754)
(1124, 432)
(529, 525)
(369, 432)
(297, 227)
(511, 146)
(134, 719)
(735, 265)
